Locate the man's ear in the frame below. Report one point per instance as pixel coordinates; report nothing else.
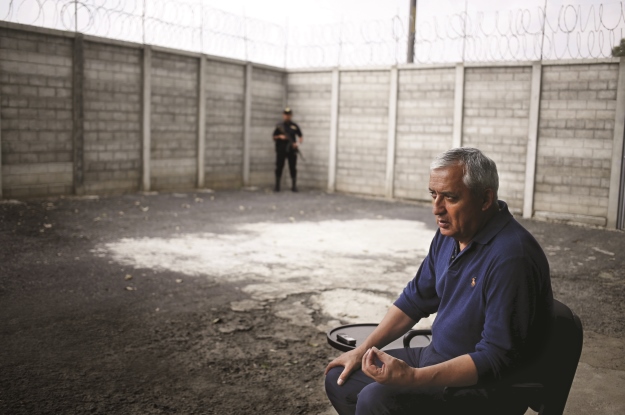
(488, 199)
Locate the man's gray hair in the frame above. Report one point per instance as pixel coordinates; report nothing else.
(480, 172)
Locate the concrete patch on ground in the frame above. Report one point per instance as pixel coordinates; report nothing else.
(246, 305)
(356, 307)
(353, 306)
(355, 268)
(298, 313)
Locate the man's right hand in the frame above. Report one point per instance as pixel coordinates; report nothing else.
(350, 361)
(394, 324)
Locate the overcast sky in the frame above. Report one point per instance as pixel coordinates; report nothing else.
(313, 12)
(330, 11)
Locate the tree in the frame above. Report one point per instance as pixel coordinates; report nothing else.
(619, 51)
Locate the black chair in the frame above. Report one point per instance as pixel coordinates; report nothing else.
(543, 385)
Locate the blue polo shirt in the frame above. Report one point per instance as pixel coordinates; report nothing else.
(494, 299)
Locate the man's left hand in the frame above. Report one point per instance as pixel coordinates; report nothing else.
(391, 372)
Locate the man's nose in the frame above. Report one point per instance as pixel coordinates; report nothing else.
(438, 207)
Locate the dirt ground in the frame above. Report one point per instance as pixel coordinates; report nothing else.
(82, 330)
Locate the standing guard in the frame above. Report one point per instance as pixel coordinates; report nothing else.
(286, 137)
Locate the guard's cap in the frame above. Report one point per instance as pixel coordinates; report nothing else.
(287, 110)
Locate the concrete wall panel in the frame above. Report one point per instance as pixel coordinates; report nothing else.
(309, 97)
(425, 112)
(36, 101)
(112, 99)
(225, 102)
(174, 121)
(575, 141)
(363, 132)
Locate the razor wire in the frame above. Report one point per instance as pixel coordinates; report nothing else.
(551, 33)
(570, 31)
(177, 24)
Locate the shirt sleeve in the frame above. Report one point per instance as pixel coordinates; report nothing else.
(510, 296)
(276, 132)
(419, 298)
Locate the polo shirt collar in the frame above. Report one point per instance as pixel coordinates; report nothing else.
(494, 225)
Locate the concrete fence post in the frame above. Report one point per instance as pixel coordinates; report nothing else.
(458, 107)
(78, 114)
(247, 123)
(201, 123)
(392, 133)
(617, 187)
(334, 129)
(532, 140)
(147, 114)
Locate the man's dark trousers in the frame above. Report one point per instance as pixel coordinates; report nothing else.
(361, 395)
(285, 151)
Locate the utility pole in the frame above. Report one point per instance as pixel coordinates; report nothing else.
(412, 23)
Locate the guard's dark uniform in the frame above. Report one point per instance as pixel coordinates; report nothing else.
(285, 150)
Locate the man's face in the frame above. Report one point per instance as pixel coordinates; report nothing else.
(286, 117)
(459, 212)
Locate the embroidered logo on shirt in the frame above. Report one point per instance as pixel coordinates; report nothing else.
(294, 127)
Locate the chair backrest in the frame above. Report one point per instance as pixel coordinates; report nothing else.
(557, 365)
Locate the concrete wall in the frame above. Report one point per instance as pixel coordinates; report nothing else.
(174, 121)
(37, 127)
(575, 148)
(88, 115)
(425, 113)
(112, 104)
(554, 130)
(225, 106)
(362, 134)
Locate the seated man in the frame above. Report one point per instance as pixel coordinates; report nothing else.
(488, 280)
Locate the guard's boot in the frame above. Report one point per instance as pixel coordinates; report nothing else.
(276, 188)
(294, 186)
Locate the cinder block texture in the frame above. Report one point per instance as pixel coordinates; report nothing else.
(268, 96)
(225, 105)
(36, 101)
(574, 154)
(309, 96)
(112, 101)
(496, 120)
(363, 132)
(425, 115)
(174, 121)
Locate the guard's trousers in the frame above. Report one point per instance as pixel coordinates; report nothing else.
(283, 153)
(361, 395)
